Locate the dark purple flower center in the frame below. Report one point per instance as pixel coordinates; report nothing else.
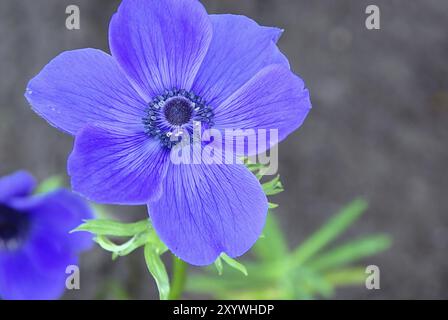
(169, 117)
(178, 111)
(14, 227)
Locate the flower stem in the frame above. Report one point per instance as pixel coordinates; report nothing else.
(179, 279)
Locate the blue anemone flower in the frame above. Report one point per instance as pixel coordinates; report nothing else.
(173, 65)
(35, 245)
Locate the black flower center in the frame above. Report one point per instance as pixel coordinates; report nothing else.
(174, 114)
(178, 111)
(14, 226)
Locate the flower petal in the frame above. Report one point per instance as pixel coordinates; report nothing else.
(115, 166)
(239, 49)
(206, 210)
(275, 99)
(160, 44)
(56, 214)
(18, 184)
(84, 86)
(37, 270)
(21, 279)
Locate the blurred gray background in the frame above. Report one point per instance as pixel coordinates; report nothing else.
(379, 127)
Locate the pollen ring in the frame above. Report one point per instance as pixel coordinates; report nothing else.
(170, 115)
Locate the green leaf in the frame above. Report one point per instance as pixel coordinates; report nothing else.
(106, 227)
(346, 277)
(273, 187)
(156, 243)
(158, 271)
(179, 278)
(218, 265)
(273, 205)
(253, 167)
(331, 230)
(273, 245)
(233, 263)
(124, 249)
(136, 242)
(107, 244)
(212, 284)
(51, 184)
(307, 282)
(350, 252)
(257, 169)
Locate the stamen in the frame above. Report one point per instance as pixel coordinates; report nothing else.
(172, 114)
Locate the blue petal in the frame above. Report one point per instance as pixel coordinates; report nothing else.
(37, 269)
(240, 48)
(23, 276)
(110, 165)
(18, 184)
(206, 210)
(84, 86)
(160, 44)
(56, 214)
(275, 99)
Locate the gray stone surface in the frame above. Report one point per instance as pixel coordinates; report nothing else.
(378, 128)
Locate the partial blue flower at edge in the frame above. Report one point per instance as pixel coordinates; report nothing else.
(35, 244)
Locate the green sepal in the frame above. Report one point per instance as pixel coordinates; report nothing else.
(105, 227)
(157, 269)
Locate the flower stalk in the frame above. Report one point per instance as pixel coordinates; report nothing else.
(179, 277)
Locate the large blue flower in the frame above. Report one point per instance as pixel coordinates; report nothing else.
(35, 245)
(172, 64)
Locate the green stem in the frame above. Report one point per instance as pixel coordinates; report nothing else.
(179, 279)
